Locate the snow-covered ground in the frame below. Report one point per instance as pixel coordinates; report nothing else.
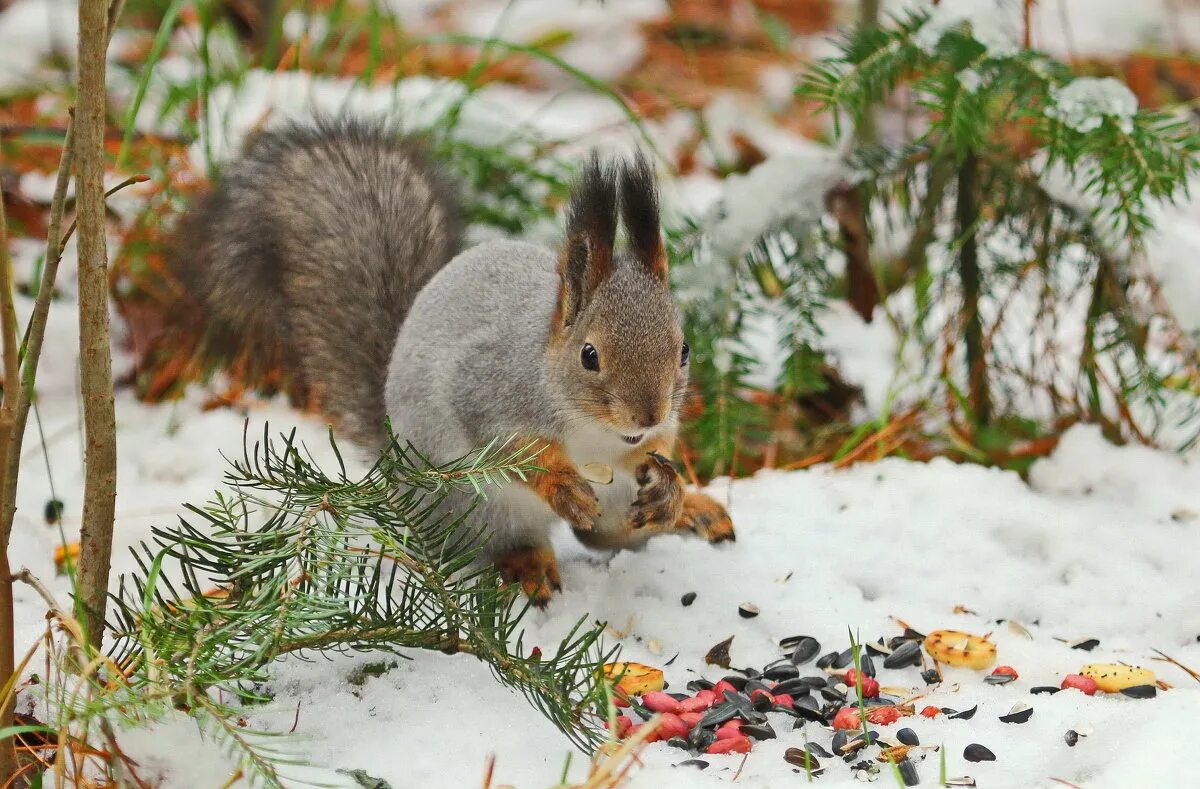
(1102, 542)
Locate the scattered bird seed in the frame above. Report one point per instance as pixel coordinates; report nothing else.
(791, 642)
(965, 715)
(844, 659)
(792, 687)
(760, 731)
(816, 750)
(931, 675)
(1018, 714)
(697, 685)
(678, 742)
(999, 679)
(687, 599)
(907, 654)
(878, 648)
(748, 610)
(738, 682)
(908, 737)
(965, 780)
(908, 771)
(866, 664)
(717, 715)
(798, 757)
(826, 660)
(1072, 737)
(699, 764)
(783, 672)
(1140, 691)
(1086, 644)
(719, 654)
(1051, 689)
(977, 753)
(806, 649)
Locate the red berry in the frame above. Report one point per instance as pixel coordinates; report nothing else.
(698, 703)
(1009, 670)
(651, 734)
(690, 718)
(671, 725)
(762, 697)
(619, 700)
(732, 745)
(882, 716)
(931, 712)
(1085, 685)
(729, 729)
(870, 687)
(657, 701)
(847, 718)
(784, 699)
(624, 724)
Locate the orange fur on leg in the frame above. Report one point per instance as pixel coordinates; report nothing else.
(703, 516)
(536, 569)
(561, 487)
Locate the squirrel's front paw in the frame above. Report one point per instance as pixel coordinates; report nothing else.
(572, 498)
(659, 500)
(703, 516)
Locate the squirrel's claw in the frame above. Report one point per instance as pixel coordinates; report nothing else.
(659, 499)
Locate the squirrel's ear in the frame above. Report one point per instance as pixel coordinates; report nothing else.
(639, 212)
(587, 257)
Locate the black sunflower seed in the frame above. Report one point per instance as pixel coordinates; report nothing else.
(1071, 737)
(999, 679)
(908, 737)
(839, 741)
(792, 687)
(1140, 691)
(679, 696)
(783, 672)
(699, 684)
(866, 664)
(788, 643)
(750, 672)
(1086, 644)
(1044, 689)
(907, 654)
(805, 650)
(808, 710)
(815, 683)
(678, 742)
(748, 610)
(53, 511)
(826, 660)
(755, 684)
(759, 731)
(738, 681)
(717, 715)
(699, 764)
(878, 648)
(844, 659)
(913, 635)
(687, 599)
(816, 750)
(802, 759)
(833, 694)
(908, 771)
(977, 753)
(700, 739)
(931, 676)
(1017, 714)
(966, 715)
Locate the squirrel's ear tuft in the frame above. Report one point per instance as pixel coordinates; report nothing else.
(639, 212)
(587, 258)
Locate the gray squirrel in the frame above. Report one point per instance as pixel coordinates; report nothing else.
(339, 242)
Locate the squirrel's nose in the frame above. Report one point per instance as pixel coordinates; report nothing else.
(648, 419)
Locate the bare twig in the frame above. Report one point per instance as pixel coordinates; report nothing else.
(96, 382)
(8, 336)
(1168, 659)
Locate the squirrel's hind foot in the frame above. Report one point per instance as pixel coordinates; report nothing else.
(535, 569)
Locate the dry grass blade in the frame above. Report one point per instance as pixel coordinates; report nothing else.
(1162, 656)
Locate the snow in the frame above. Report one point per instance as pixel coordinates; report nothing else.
(990, 22)
(1085, 102)
(1099, 542)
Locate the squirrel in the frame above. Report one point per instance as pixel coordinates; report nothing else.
(340, 243)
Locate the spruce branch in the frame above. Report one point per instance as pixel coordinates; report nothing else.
(293, 559)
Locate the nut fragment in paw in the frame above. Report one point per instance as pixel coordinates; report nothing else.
(598, 473)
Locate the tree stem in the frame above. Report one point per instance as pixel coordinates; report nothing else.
(8, 338)
(967, 215)
(96, 382)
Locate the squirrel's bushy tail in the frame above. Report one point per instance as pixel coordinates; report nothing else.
(312, 248)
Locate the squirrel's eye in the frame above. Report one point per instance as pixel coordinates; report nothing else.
(590, 358)
(685, 354)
